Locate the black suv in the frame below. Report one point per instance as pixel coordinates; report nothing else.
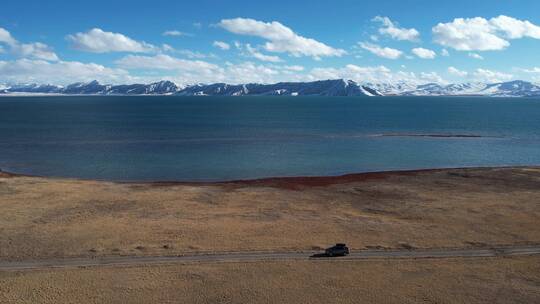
(338, 250)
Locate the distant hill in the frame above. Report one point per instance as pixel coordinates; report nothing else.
(95, 88)
(337, 87)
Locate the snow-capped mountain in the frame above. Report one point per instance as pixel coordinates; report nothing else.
(162, 87)
(391, 88)
(93, 87)
(33, 88)
(338, 87)
(516, 88)
(96, 88)
(3, 88)
(434, 89)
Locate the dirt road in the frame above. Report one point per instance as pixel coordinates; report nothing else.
(267, 256)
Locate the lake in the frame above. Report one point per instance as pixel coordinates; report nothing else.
(146, 138)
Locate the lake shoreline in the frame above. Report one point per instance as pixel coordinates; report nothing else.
(284, 182)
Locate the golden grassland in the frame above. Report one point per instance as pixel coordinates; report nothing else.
(470, 281)
(44, 218)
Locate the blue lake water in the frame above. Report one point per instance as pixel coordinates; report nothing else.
(224, 138)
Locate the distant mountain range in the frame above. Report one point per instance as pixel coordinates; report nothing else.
(95, 88)
(517, 88)
(338, 87)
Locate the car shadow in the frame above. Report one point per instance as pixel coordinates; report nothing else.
(319, 255)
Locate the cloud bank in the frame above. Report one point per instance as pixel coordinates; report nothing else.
(281, 39)
(480, 34)
(98, 41)
(389, 28)
(384, 52)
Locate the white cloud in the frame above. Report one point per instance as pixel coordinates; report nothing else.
(456, 72)
(445, 53)
(6, 37)
(382, 74)
(196, 71)
(99, 41)
(480, 34)
(295, 68)
(515, 28)
(244, 72)
(533, 70)
(431, 77)
(190, 54)
(35, 50)
(534, 74)
(258, 55)
(384, 52)
(167, 48)
(60, 72)
(281, 39)
(489, 76)
(390, 29)
(481, 75)
(351, 71)
(183, 71)
(194, 55)
(163, 62)
(222, 45)
(424, 53)
(468, 35)
(371, 74)
(476, 56)
(175, 33)
(250, 72)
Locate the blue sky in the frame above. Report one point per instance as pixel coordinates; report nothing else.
(251, 41)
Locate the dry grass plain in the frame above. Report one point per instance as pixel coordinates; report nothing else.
(44, 218)
(50, 218)
(467, 281)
